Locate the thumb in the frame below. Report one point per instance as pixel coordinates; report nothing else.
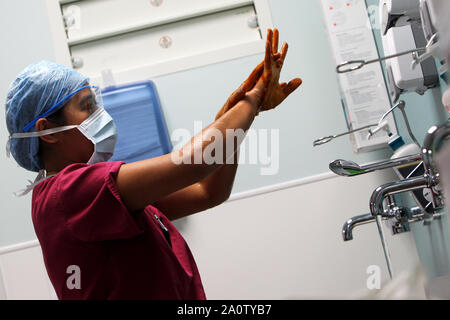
(291, 86)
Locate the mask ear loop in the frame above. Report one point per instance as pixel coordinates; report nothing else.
(8, 148)
(42, 173)
(40, 177)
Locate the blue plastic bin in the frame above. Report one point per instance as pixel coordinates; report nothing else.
(141, 127)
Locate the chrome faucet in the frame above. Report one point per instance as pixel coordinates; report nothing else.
(399, 217)
(433, 143)
(402, 215)
(350, 224)
(388, 189)
(350, 168)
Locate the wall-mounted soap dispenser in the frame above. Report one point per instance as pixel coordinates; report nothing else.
(402, 31)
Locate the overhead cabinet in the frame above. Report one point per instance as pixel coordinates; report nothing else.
(160, 36)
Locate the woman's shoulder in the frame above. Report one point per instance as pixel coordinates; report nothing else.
(91, 168)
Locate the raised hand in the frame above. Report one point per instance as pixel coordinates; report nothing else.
(276, 93)
(240, 92)
(268, 71)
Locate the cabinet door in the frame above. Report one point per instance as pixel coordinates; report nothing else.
(167, 43)
(97, 18)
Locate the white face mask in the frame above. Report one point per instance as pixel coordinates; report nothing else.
(99, 128)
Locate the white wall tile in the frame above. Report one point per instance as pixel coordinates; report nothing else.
(24, 274)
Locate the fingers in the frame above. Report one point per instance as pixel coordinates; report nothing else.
(275, 38)
(269, 44)
(270, 36)
(284, 51)
(247, 85)
(259, 91)
(291, 86)
(267, 63)
(267, 59)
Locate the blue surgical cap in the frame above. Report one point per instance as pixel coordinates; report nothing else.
(35, 90)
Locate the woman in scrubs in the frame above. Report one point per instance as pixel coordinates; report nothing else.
(104, 227)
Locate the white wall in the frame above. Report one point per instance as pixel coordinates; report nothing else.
(22, 273)
(25, 38)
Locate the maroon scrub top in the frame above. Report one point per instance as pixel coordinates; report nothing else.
(94, 248)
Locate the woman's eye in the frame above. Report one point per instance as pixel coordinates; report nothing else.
(88, 107)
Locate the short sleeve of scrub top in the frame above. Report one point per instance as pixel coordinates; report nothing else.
(92, 206)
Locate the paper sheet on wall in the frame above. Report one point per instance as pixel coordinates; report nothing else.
(363, 91)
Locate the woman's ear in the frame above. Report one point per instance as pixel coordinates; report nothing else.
(43, 124)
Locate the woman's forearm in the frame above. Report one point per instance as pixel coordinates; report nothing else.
(220, 183)
(144, 182)
(221, 136)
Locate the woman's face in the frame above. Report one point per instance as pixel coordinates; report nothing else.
(76, 147)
